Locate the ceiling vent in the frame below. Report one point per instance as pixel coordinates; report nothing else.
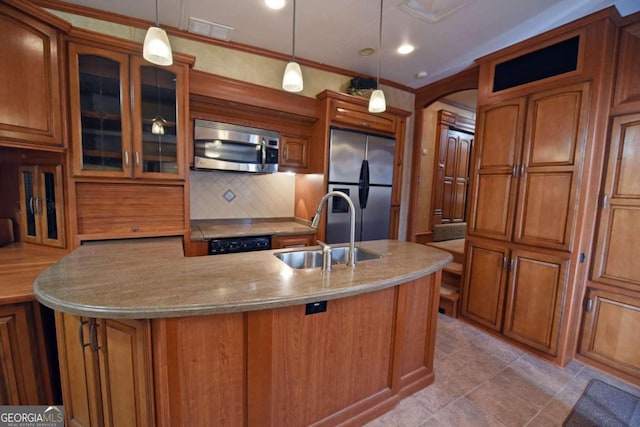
(432, 11)
(210, 29)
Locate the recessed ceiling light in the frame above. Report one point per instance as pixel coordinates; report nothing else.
(421, 74)
(405, 49)
(275, 4)
(367, 51)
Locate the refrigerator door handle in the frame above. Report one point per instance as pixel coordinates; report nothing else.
(363, 184)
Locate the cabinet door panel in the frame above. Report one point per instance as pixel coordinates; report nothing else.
(496, 157)
(493, 213)
(484, 284)
(31, 109)
(30, 224)
(534, 303)
(125, 365)
(618, 242)
(20, 383)
(544, 210)
(129, 209)
(610, 331)
(157, 121)
(550, 172)
(78, 371)
(100, 111)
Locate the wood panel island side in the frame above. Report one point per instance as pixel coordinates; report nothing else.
(149, 337)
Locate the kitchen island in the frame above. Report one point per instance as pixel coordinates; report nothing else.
(147, 336)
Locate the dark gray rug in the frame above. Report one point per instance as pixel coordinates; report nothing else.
(603, 405)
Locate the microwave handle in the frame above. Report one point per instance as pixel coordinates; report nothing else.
(264, 154)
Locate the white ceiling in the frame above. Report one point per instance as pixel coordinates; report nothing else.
(333, 31)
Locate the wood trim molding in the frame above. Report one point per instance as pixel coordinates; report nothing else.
(358, 101)
(41, 14)
(464, 80)
(207, 87)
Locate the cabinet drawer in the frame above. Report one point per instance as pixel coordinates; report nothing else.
(115, 210)
(359, 116)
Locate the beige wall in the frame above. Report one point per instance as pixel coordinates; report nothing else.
(427, 152)
(261, 71)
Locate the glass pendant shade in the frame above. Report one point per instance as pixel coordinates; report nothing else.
(377, 103)
(157, 125)
(292, 79)
(157, 49)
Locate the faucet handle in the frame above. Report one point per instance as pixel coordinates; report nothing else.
(326, 255)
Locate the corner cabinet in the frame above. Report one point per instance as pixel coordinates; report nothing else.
(128, 116)
(106, 371)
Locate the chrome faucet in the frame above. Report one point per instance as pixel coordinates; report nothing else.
(315, 222)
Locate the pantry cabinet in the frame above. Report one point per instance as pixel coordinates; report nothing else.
(527, 162)
(516, 292)
(128, 117)
(106, 371)
(535, 171)
(42, 205)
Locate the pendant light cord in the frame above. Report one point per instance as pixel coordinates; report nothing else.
(293, 49)
(379, 45)
(157, 22)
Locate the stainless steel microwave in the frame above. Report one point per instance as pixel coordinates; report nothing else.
(235, 148)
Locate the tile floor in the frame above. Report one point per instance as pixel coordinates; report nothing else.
(482, 381)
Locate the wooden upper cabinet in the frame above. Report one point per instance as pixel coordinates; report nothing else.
(360, 117)
(128, 117)
(159, 119)
(627, 93)
(294, 153)
(496, 159)
(527, 168)
(618, 243)
(31, 107)
(551, 164)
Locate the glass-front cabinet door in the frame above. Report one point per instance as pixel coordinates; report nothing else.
(41, 205)
(100, 111)
(158, 112)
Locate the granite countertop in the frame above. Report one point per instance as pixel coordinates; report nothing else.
(150, 278)
(216, 229)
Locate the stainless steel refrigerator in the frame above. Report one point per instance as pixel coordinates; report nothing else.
(360, 165)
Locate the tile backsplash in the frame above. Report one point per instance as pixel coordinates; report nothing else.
(223, 195)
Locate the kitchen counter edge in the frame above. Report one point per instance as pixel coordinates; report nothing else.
(96, 279)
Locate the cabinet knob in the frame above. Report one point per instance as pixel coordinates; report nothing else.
(135, 228)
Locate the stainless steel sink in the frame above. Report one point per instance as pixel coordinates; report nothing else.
(312, 258)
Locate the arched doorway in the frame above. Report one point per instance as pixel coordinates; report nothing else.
(455, 99)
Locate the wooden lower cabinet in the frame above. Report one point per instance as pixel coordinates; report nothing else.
(24, 374)
(515, 292)
(610, 331)
(292, 241)
(279, 367)
(106, 371)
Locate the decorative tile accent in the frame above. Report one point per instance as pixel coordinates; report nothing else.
(252, 195)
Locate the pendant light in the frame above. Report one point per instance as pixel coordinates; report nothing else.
(377, 103)
(157, 49)
(292, 79)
